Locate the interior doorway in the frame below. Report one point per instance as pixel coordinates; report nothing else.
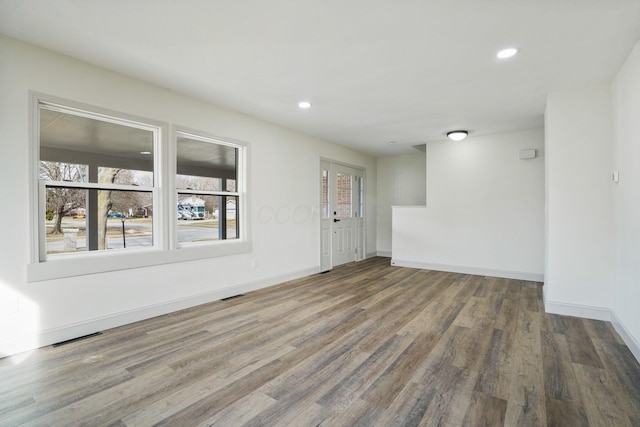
(342, 212)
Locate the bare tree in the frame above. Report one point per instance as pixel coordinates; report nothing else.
(123, 200)
(61, 201)
(105, 176)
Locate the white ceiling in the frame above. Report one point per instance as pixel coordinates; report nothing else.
(375, 70)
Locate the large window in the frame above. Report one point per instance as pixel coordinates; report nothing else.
(108, 183)
(208, 200)
(97, 175)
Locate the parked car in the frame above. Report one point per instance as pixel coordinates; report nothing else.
(115, 215)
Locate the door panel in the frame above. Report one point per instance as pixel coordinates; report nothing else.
(343, 223)
(342, 220)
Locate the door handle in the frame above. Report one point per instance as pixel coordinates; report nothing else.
(336, 220)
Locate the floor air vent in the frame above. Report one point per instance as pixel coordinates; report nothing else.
(235, 296)
(84, 337)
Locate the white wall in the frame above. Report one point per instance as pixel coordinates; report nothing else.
(626, 160)
(402, 180)
(580, 257)
(284, 180)
(485, 209)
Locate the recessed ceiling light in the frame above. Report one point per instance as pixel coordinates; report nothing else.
(304, 104)
(146, 153)
(507, 53)
(457, 135)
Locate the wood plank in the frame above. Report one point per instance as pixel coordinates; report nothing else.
(625, 371)
(447, 408)
(581, 347)
(351, 387)
(385, 389)
(559, 378)
(600, 330)
(507, 316)
(599, 396)
(530, 411)
(485, 410)
(356, 413)
(526, 381)
(531, 297)
(561, 413)
(240, 412)
(495, 366)
(409, 407)
(472, 347)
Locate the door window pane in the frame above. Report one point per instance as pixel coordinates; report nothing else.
(344, 202)
(359, 196)
(326, 213)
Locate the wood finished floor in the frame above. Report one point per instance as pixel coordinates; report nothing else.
(364, 345)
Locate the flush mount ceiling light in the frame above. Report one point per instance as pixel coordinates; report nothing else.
(145, 153)
(457, 135)
(507, 53)
(304, 104)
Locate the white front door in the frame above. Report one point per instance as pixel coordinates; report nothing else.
(342, 229)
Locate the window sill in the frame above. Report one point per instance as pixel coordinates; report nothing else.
(71, 266)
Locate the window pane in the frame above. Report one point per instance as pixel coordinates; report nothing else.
(325, 195)
(72, 139)
(58, 171)
(130, 177)
(200, 218)
(360, 197)
(205, 165)
(344, 206)
(95, 220)
(187, 182)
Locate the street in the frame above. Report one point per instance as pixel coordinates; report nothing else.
(138, 234)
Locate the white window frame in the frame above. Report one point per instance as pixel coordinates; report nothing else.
(240, 192)
(165, 248)
(123, 120)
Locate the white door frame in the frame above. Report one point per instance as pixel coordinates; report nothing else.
(329, 225)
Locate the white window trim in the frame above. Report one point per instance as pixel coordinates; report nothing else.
(165, 249)
(241, 185)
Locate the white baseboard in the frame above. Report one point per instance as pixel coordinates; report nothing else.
(67, 332)
(386, 254)
(518, 275)
(578, 310)
(626, 336)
